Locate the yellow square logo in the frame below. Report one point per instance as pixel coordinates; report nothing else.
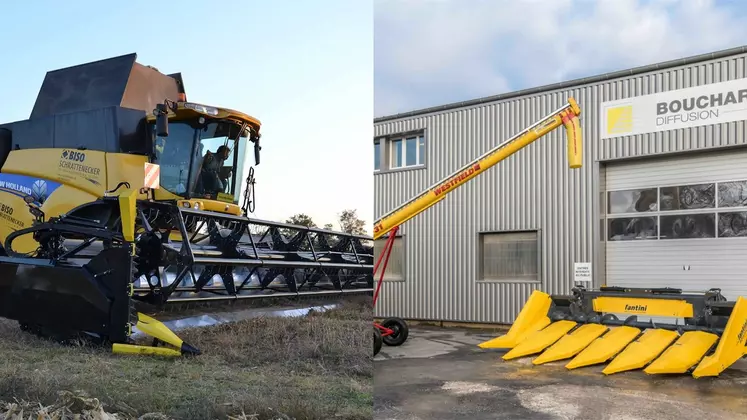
(620, 119)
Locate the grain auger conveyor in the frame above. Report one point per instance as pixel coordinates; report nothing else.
(393, 331)
(697, 333)
(117, 190)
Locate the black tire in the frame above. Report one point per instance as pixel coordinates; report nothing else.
(399, 326)
(378, 342)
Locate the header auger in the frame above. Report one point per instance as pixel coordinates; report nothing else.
(117, 190)
(704, 336)
(393, 331)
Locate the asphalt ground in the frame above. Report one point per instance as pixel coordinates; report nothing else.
(440, 373)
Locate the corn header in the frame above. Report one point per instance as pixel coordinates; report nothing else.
(697, 333)
(117, 190)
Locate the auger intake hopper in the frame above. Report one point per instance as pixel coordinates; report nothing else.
(698, 333)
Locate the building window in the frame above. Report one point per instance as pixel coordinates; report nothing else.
(688, 197)
(377, 155)
(407, 152)
(732, 224)
(509, 256)
(692, 211)
(632, 201)
(395, 268)
(732, 194)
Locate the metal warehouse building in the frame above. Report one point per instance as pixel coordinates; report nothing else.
(660, 201)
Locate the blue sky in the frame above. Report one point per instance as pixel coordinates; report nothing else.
(433, 52)
(303, 68)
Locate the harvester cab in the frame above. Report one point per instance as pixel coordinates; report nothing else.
(118, 191)
(200, 151)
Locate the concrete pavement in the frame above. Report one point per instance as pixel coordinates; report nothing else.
(442, 374)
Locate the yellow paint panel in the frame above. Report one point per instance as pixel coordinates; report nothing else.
(133, 349)
(125, 167)
(15, 215)
(532, 318)
(641, 306)
(571, 344)
(225, 197)
(684, 353)
(604, 347)
(731, 347)
(540, 340)
(82, 169)
(157, 329)
(641, 351)
(127, 209)
(211, 205)
(574, 143)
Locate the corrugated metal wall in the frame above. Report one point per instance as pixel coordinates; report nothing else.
(534, 189)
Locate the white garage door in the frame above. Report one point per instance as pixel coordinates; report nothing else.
(679, 222)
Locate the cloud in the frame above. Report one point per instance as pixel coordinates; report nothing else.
(432, 52)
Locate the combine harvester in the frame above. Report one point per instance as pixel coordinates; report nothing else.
(393, 331)
(117, 190)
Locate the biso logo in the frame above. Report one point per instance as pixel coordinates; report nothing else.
(620, 119)
(73, 155)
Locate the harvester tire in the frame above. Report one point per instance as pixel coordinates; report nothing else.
(378, 342)
(399, 326)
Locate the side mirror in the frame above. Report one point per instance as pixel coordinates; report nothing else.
(162, 121)
(256, 152)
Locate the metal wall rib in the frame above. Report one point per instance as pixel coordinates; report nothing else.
(532, 190)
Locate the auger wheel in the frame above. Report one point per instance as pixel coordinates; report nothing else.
(399, 331)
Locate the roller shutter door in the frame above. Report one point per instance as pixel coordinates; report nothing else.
(678, 222)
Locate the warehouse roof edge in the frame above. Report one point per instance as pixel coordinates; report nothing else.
(569, 84)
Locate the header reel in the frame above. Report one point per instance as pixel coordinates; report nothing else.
(592, 327)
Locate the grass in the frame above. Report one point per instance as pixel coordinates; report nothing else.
(315, 367)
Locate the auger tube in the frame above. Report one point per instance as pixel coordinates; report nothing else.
(567, 115)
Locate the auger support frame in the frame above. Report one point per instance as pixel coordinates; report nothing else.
(706, 334)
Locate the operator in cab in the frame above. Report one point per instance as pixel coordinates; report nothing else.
(215, 176)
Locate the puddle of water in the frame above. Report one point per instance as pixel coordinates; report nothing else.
(226, 317)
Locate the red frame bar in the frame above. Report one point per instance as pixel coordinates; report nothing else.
(387, 251)
(385, 256)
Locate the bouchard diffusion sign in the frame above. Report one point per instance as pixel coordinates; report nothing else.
(713, 103)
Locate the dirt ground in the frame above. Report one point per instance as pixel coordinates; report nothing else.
(315, 367)
(442, 374)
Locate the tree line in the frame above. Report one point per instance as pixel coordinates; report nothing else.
(348, 222)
